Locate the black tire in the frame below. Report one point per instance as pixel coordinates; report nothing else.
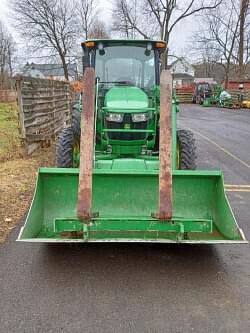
(76, 122)
(64, 148)
(67, 139)
(157, 140)
(187, 150)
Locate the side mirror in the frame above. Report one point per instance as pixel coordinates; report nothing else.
(148, 49)
(147, 53)
(102, 52)
(101, 49)
(85, 58)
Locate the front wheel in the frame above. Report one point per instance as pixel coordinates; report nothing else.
(68, 143)
(68, 149)
(186, 150)
(65, 149)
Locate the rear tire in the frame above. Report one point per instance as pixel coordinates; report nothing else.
(64, 149)
(76, 122)
(187, 150)
(68, 139)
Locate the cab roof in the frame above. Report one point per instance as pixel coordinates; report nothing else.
(120, 42)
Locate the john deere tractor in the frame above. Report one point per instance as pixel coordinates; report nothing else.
(127, 106)
(124, 172)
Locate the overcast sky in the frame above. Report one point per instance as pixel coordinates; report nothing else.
(180, 39)
(3, 11)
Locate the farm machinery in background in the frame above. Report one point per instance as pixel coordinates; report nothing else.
(202, 92)
(208, 94)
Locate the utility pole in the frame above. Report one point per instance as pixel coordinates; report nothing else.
(244, 5)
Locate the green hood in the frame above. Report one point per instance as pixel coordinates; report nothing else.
(126, 98)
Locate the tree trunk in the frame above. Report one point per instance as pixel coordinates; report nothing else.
(227, 75)
(10, 61)
(164, 55)
(243, 9)
(164, 59)
(65, 67)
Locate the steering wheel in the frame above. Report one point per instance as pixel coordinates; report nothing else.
(126, 81)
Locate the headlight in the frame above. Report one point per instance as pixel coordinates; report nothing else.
(115, 117)
(140, 117)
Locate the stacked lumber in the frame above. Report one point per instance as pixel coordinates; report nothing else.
(44, 108)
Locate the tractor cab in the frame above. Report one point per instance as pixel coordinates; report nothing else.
(127, 93)
(129, 62)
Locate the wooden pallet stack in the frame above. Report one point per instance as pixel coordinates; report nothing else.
(44, 108)
(184, 95)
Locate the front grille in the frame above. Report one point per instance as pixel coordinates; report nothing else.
(127, 119)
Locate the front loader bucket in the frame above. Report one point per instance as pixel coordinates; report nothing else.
(123, 207)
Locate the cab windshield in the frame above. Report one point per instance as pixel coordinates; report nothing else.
(129, 65)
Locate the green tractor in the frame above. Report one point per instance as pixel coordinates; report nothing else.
(124, 172)
(127, 106)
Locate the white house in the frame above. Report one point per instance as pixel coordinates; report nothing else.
(49, 71)
(182, 71)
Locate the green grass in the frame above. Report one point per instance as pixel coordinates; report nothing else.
(9, 134)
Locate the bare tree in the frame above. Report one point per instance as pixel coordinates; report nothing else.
(87, 11)
(98, 30)
(225, 34)
(244, 8)
(7, 50)
(128, 19)
(208, 59)
(247, 41)
(159, 16)
(120, 18)
(49, 25)
(121, 15)
(219, 33)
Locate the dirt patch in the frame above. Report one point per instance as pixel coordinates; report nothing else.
(17, 183)
(17, 170)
